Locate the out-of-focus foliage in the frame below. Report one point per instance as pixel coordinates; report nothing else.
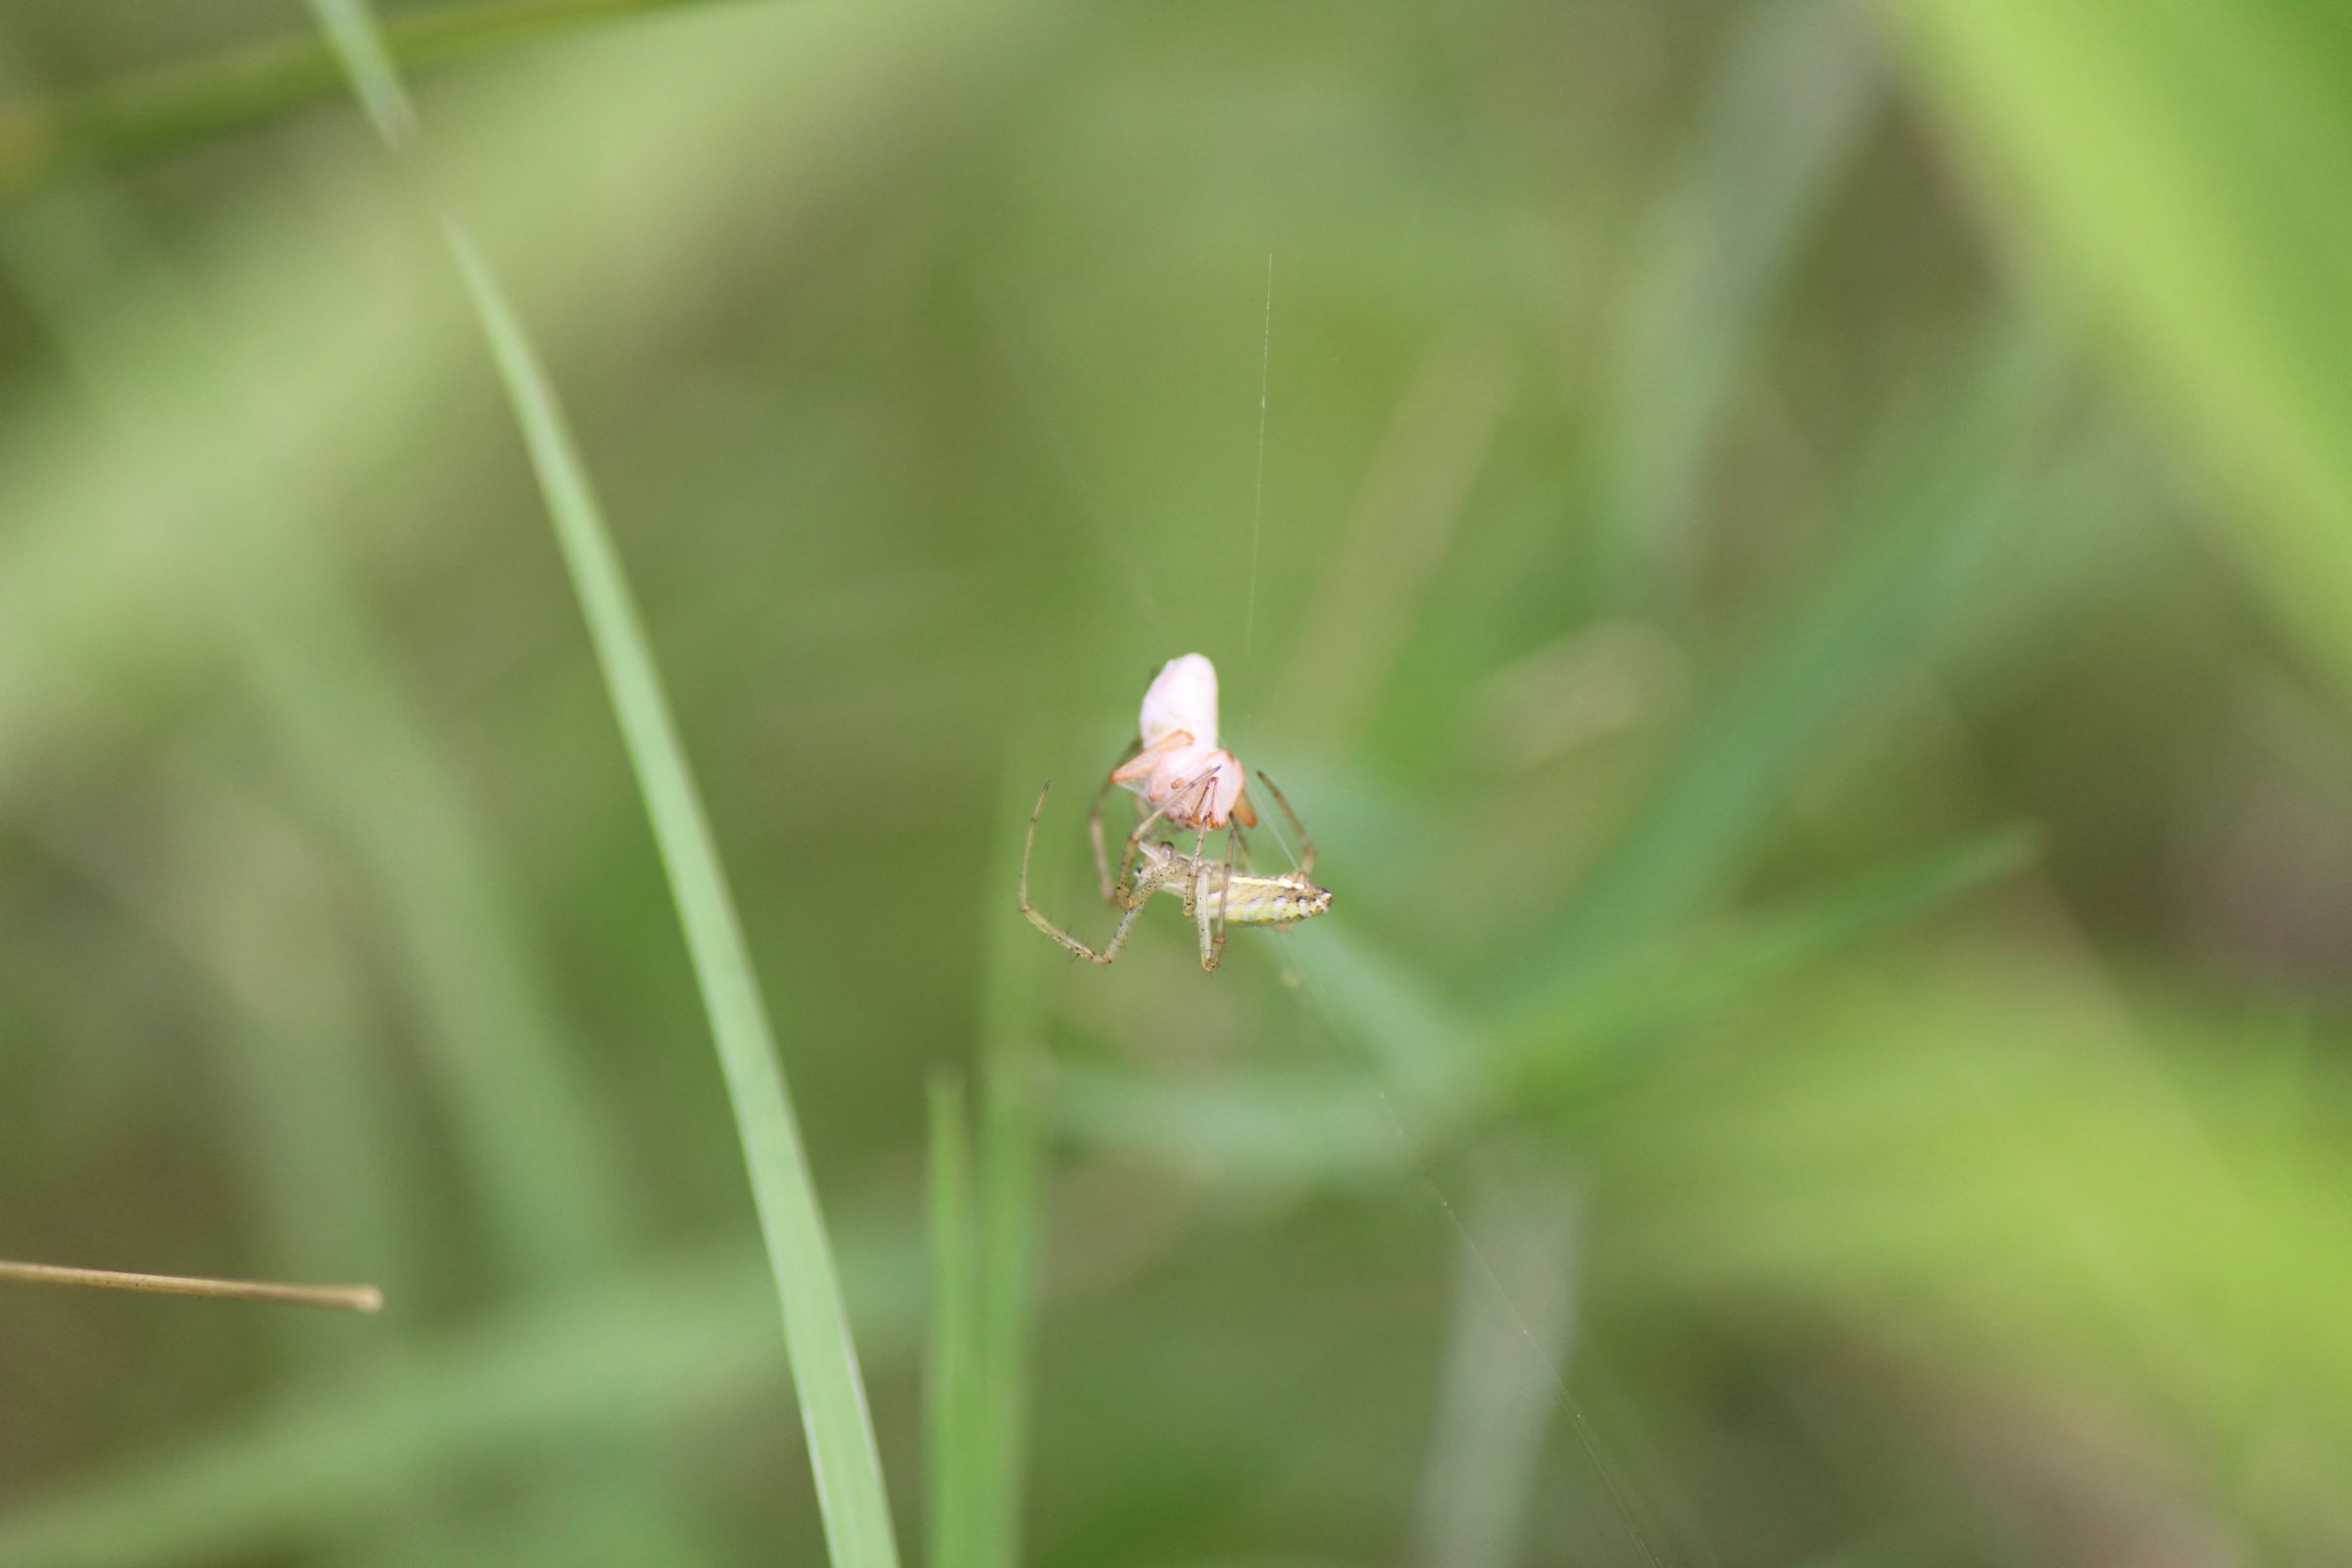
(1799, 588)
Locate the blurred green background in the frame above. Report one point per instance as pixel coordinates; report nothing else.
(1799, 577)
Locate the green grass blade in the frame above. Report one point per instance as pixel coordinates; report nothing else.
(527, 1124)
(1919, 529)
(1008, 1177)
(505, 1063)
(984, 1223)
(2190, 161)
(1008, 1170)
(1512, 1325)
(1441, 1070)
(825, 1362)
(1585, 1013)
(351, 31)
(1431, 1061)
(171, 105)
(1784, 118)
(1258, 1127)
(951, 1468)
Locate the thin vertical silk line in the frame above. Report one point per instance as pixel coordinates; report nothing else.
(1257, 514)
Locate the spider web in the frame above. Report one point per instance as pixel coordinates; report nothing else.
(1258, 512)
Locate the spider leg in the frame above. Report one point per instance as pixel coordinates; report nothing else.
(1028, 849)
(1176, 799)
(1145, 885)
(1224, 901)
(1135, 839)
(1212, 933)
(1306, 846)
(1094, 821)
(1140, 894)
(1197, 894)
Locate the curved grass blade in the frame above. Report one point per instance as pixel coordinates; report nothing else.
(850, 1491)
(1781, 124)
(1441, 1069)
(187, 101)
(2190, 162)
(816, 1329)
(1558, 1030)
(1921, 525)
(351, 31)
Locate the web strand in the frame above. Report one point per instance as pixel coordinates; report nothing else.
(1258, 512)
(1612, 1481)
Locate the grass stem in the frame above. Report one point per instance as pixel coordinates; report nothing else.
(851, 1495)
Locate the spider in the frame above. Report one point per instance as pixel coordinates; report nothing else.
(1176, 769)
(1214, 894)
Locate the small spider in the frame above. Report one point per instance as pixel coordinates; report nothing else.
(1175, 764)
(1177, 770)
